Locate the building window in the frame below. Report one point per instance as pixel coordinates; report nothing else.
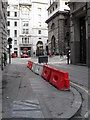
(15, 7)
(26, 31)
(39, 9)
(56, 5)
(15, 14)
(15, 42)
(39, 32)
(52, 26)
(28, 40)
(8, 13)
(25, 40)
(65, 21)
(39, 38)
(15, 33)
(25, 24)
(15, 23)
(15, 48)
(39, 18)
(8, 31)
(8, 23)
(53, 8)
(39, 23)
(22, 40)
(23, 31)
(50, 11)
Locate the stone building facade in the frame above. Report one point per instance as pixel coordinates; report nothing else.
(3, 33)
(27, 28)
(58, 29)
(80, 32)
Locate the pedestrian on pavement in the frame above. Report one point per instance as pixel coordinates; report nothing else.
(68, 56)
(50, 54)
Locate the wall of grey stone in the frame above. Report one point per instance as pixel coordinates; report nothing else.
(75, 30)
(53, 32)
(61, 35)
(59, 32)
(3, 31)
(75, 41)
(88, 12)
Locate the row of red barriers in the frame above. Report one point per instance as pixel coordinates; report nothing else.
(30, 63)
(58, 78)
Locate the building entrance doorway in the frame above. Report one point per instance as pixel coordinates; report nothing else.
(16, 53)
(39, 48)
(82, 40)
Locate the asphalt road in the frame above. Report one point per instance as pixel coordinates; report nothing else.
(23, 89)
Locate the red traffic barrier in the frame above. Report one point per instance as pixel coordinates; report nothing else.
(46, 72)
(60, 79)
(30, 65)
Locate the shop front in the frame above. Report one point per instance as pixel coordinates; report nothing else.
(25, 51)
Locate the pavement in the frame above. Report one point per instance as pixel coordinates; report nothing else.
(27, 95)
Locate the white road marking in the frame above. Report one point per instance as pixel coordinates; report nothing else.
(87, 113)
(81, 88)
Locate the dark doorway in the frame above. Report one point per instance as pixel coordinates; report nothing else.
(47, 50)
(39, 48)
(16, 53)
(82, 41)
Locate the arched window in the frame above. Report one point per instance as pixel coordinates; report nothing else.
(39, 48)
(53, 45)
(52, 26)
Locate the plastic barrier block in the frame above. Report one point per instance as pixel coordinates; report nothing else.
(33, 67)
(30, 65)
(60, 79)
(46, 72)
(38, 69)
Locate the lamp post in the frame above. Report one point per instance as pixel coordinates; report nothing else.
(10, 46)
